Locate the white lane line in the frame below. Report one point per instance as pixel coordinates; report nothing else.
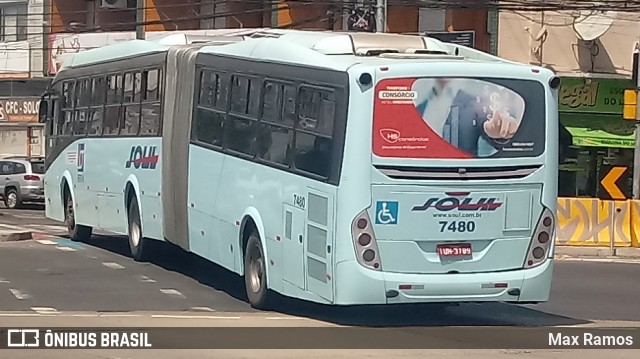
(145, 279)
(22, 315)
(172, 292)
(112, 265)
(119, 315)
(283, 318)
(45, 241)
(202, 309)
(20, 295)
(12, 228)
(66, 249)
(44, 310)
(2, 280)
(192, 316)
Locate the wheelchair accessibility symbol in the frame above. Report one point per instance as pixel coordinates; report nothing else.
(386, 212)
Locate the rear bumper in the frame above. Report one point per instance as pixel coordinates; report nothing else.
(32, 194)
(358, 285)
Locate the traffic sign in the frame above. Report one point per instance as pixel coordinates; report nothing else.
(612, 182)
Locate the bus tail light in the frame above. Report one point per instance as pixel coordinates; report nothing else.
(542, 240)
(364, 240)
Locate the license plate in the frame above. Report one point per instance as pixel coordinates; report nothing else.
(454, 250)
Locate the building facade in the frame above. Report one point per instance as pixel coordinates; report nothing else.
(22, 76)
(593, 54)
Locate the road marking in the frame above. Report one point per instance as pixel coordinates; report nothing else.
(44, 310)
(45, 241)
(145, 279)
(66, 249)
(172, 292)
(118, 315)
(2, 280)
(192, 316)
(202, 309)
(112, 265)
(20, 295)
(283, 318)
(14, 228)
(22, 315)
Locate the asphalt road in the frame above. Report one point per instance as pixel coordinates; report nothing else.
(99, 276)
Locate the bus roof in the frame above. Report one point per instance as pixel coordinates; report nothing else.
(156, 43)
(115, 51)
(341, 50)
(328, 49)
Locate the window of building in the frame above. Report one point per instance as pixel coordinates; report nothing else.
(13, 22)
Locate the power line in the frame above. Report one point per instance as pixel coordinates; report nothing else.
(513, 5)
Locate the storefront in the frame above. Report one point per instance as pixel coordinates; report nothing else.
(591, 110)
(20, 132)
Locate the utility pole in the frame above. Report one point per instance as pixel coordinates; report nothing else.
(140, 19)
(636, 152)
(381, 15)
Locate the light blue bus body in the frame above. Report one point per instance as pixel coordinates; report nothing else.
(444, 224)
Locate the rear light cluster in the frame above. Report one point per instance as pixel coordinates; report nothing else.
(31, 178)
(540, 247)
(364, 240)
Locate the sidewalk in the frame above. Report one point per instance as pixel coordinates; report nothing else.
(622, 253)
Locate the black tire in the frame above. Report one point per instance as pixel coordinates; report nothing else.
(255, 274)
(77, 232)
(12, 199)
(137, 243)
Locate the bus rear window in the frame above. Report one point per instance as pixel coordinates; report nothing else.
(459, 118)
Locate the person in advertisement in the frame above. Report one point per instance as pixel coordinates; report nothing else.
(477, 117)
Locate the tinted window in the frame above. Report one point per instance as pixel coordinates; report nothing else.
(313, 154)
(274, 143)
(209, 127)
(240, 136)
(316, 110)
(37, 167)
(239, 94)
(20, 169)
(152, 78)
(6, 168)
(211, 92)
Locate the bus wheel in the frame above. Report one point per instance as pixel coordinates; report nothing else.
(77, 232)
(255, 274)
(137, 243)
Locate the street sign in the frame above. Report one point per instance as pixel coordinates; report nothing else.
(612, 182)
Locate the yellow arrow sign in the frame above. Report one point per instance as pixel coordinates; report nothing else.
(609, 182)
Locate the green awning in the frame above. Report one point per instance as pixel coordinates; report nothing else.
(599, 130)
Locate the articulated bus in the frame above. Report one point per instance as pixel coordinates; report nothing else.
(339, 168)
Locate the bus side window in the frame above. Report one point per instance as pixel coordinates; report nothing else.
(313, 154)
(150, 111)
(112, 107)
(66, 122)
(130, 124)
(82, 99)
(96, 112)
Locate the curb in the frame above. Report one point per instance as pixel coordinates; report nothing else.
(14, 237)
(598, 252)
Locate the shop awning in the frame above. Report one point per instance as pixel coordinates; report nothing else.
(599, 131)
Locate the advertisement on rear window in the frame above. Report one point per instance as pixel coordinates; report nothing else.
(458, 118)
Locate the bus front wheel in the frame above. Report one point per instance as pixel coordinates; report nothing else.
(255, 274)
(77, 232)
(137, 243)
